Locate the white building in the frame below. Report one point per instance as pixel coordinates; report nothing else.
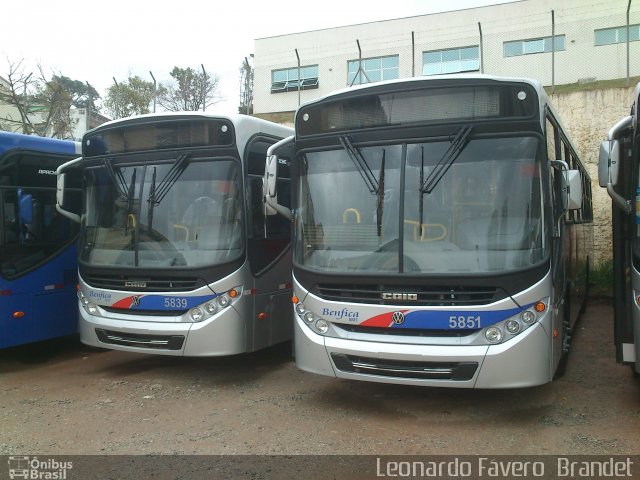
(512, 39)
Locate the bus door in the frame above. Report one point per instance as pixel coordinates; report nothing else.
(617, 171)
(269, 252)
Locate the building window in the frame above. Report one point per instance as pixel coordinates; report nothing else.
(286, 80)
(609, 36)
(533, 45)
(373, 70)
(452, 60)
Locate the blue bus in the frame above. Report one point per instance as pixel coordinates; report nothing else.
(38, 267)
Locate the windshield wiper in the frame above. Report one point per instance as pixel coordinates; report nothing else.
(380, 207)
(456, 147)
(178, 168)
(129, 197)
(117, 178)
(157, 195)
(361, 164)
(421, 206)
(376, 186)
(151, 200)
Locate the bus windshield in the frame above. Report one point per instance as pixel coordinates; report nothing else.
(482, 213)
(184, 213)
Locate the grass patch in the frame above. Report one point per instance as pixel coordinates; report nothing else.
(601, 280)
(597, 85)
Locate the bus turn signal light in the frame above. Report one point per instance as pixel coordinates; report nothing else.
(295, 299)
(540, 307)
(18, 314)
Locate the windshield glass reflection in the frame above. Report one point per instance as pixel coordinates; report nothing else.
(180, 214)
(484, 214)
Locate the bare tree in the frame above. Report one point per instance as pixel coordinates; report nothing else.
(190, 90)
(41, 103)
(15, 93)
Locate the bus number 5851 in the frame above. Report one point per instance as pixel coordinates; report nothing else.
(464, 322)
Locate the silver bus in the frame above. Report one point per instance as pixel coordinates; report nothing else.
(176, 255)
(442, 232)
(618, 172)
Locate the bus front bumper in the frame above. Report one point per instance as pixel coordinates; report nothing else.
(523, 361)
(222, 334)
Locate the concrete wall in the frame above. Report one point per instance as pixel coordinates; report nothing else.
(588, 116)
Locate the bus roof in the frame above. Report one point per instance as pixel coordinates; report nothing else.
(246, 126)
(235, 119)
(11, 141)
(425, 81)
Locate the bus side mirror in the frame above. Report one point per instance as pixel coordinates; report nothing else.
(60, 183)
(60, 189)
(608, 163)
(269, 190)
(573, 186)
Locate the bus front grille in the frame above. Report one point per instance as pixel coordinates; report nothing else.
(156, 342)
(141, 284)
(409, 295)
(409, 332)
(456, 371)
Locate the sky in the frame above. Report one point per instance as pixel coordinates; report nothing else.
(95, 41)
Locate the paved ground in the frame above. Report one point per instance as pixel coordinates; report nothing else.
(64, 398)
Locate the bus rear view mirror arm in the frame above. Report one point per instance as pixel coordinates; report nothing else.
(269, 182)
(609, 163)
(571, 185)
(60, 190)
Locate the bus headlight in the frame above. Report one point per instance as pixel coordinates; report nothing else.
(211, 308)
(493, 335)
(214, 306)
(528, 317)
(83, 300)
(313, 321)
(91, 308)
(197, 315)
(512, 326)
(322, 326)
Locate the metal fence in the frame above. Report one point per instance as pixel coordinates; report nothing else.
(593, 39)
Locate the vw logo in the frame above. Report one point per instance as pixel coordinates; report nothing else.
(398, 318)
(135, 301)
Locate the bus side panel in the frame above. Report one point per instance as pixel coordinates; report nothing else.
(273, 298)
(47, 299)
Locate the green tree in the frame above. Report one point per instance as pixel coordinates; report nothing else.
(132, 97)
(190, 90)
(83, 95)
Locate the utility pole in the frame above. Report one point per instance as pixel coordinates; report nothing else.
(204, 88)
(24, 99)
(154, 91)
